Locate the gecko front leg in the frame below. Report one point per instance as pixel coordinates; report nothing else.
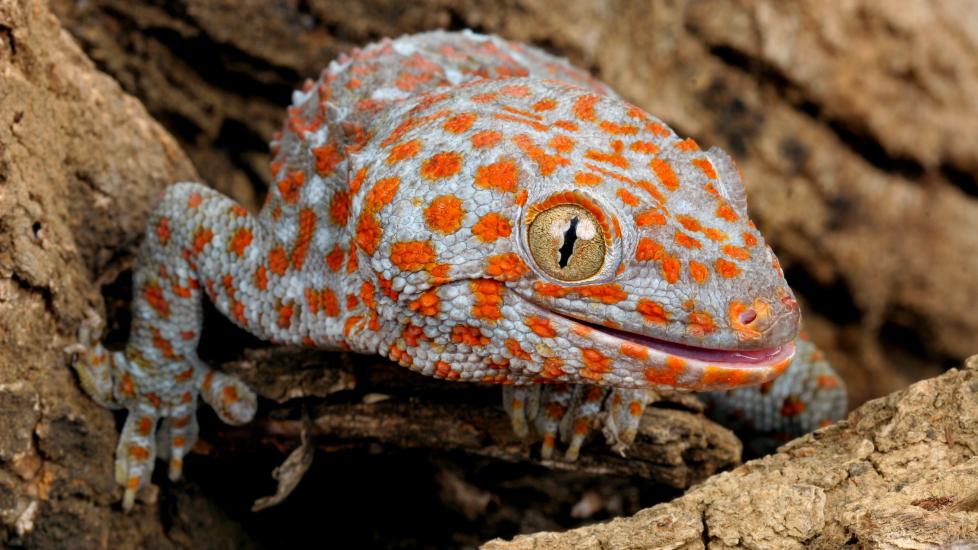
(197, 241)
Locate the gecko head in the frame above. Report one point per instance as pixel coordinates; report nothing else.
(553, 234)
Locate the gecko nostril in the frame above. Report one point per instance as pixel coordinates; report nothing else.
(748, 316)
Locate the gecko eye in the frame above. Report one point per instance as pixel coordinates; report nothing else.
(567, 243)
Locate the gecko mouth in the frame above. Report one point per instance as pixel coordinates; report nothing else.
(759, 357)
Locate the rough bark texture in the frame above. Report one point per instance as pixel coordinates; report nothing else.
(900, 472)
(855, 125)
(80, 162)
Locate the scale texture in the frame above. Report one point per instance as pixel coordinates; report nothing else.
(475, 210)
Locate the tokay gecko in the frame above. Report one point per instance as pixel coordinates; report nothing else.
(475, 210)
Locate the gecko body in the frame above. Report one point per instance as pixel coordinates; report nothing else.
(476, 210)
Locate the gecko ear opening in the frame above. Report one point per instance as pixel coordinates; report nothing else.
(731, 185)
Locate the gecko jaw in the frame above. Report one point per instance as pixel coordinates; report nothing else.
(665, 364)
(759, 357)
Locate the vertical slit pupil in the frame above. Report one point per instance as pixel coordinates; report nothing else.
(570, 237)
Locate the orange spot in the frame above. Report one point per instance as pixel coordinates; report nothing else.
(444, 214)
(428, 303)
(339, 208)
(521, 197)
(441, 165)
(650, 217)
(491, 227)
(290, 186)
(404, 151)
(826, 381)
(665, 174)
(587, 178)
(687, 145)
(486, 139)
(690, 223)
(488, 297)
(138, 453)
(670, 269)
(596, 364)
(567, 125)
(444, 370)
(307, 226)
(261, 278)
(736, 252)
(327, 157)
(721, 378)
(350, 324)
(240, 241)
(635, 351)
(618, 129)
(459, 123)
(584, 107)
(229, 394)
(469, 335)
(652, 312)
(726, 268)
(202, 237)
(285, 315)
(515, 90)
(502, 175)
(749, 239)
(657, 129)
(546, 164)
(626, 197)
(328, 302)
(357, 180)
(726, 212)
(667, 376)
(646, 147)
(145, 426)
(153, 295)
(278, 262)
(607, 294)
(412, 255)
(698, 271)
(706, 166)
(792, 406)
(194, 200)
(648, 250)
(685, 240)
(700, 324)
(381, 194)
(514, 348)
(505, 267)
(715, 234)
(540, 326)
(561, 143)
(550, 289)
(368, 235)
(545, 104)
(552, 368)
(614, 158)
(335, 258)
(163, 230)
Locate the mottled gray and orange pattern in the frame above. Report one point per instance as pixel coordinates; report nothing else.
(406, 180)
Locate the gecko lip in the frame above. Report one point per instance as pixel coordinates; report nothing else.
(757, 357)
(764, 358)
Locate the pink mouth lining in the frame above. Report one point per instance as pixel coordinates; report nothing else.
(759, 357)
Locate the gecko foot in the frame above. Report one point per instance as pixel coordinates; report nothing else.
(569, 412)
(157, 395)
